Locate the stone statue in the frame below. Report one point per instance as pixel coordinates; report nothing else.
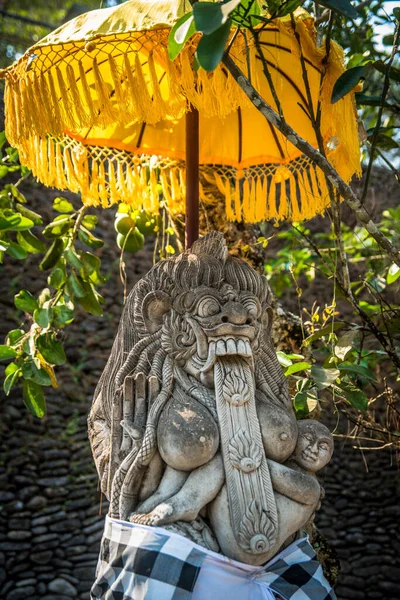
(192, 426)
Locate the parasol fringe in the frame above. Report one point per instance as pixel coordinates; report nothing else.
(69, 119)
(143, 97)
(159, 107)
(106, 110)
(81, 115)
(120, 97)
(92, 113)
(55, 104)
(295, 192)
(73, 183)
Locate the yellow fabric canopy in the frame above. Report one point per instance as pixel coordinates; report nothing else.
(97, 107)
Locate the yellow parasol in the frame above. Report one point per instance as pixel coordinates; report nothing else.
(98, 107)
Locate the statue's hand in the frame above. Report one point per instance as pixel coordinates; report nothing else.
(138, 393)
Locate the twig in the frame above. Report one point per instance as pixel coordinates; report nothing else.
(28, 20)
(366, 319)
(386, 84)
(294, 138)
(389, 164)
(315, 122)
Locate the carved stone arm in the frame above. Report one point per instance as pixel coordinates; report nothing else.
(300, 487)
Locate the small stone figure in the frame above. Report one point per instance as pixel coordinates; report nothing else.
(192, 425)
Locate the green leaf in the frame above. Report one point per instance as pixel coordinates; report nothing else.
(90, 221)
(396, 13)
(75, 286)
(296, 367)
(3, 171)
(34, 398)
(90, 301)
(322, 332)
(347, 81)
(287, 7)
(12, 374)
(354, 395)
(7, 352)
(73, 259)
(31, 372)
(57, 278)
(30, 242)
(16, 251)
(284, 359)
(52, 255)
(342, 7)
(304, 403)
(62, 205)
(92, 266)
(209, 17)
(15, 193)
(324, 377)
(381, 67)
(345, 343)
(58, 227)
(15, 222)
(348, 367)
(29, 214)
(183, 29)
(385, 142)
(366, 100)
(300, 405)
(25, 301)
(14, 336)
(211, 47)
(86, 237)
(62, 315)
(51, 349)
(42, 316)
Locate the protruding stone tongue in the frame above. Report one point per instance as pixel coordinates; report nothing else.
(251, 498)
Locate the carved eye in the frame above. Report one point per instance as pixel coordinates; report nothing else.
(252, 306)
(323, 446)
(208, 307)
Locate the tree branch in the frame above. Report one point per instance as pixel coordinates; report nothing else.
(8, 15)
(294, 138)
(386, 84)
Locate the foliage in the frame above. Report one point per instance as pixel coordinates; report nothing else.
(64, 249)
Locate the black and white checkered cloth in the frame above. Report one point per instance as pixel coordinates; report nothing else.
(145, 563)
(140, 562)
(296, 574)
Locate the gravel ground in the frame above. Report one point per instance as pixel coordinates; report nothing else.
(51, 515)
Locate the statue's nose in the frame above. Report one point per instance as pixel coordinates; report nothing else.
(234, 313)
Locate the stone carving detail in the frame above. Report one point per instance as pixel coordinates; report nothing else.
(235, 390)
(245, 489)
(253, 521)
(192, 426)
(244, 453)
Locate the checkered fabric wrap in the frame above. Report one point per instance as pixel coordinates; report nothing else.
(296, 574)
(144, 563)
(140, 562)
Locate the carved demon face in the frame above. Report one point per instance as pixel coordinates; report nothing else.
(207, 304)
(205, 323)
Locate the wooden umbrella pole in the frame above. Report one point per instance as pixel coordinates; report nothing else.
(192, 176)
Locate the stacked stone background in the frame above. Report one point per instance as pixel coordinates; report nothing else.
(51, 514)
